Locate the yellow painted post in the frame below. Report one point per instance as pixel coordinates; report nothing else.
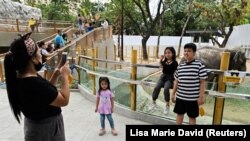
(219, 101)
(133, 77)
(17, 25)
(1, 71)
(79, 49)
(93, 69)
(139, 54)
(97, 56)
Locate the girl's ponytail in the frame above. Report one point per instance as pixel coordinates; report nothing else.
(11, 83)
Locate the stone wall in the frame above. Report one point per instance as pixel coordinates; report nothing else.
(15, 10)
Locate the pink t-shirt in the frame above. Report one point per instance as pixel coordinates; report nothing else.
(104, 106)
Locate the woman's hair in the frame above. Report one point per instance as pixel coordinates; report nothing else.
(100, 81)
(173, 52)
(16, 61)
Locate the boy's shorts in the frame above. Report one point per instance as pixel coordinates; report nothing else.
(189, 107)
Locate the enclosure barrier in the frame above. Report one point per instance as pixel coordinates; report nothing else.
(218, 107)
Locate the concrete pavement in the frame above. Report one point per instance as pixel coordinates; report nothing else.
(81, 122)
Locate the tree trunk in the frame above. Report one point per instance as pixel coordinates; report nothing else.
(144, 47)
(185, 26)
(182, 33)
(158, 40)
(119, 47)
(157, 47)
(224, 43)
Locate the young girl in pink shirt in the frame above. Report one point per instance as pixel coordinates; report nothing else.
(105, 105)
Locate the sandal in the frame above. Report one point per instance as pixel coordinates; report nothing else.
(113, 131)
(102, 132)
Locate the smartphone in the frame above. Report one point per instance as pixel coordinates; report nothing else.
(64, 58)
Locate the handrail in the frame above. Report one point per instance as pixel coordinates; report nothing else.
(104, 60)
(20, 25)
(139, 82)
(66, 46)
(213, 71)
(52, 36)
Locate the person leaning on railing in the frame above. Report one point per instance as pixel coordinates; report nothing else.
(36, 98)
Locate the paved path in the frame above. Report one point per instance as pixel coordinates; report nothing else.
(81, 122)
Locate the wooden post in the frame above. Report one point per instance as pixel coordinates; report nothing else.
(17, 25)
(219, 101)
(1, 71)
(148, 54)
(79, 49)
(54, 24)
(141, 53)
(154, 54)
(93, 69)
(78, 70)
(133, 77)
(97, 55)
(85, 53)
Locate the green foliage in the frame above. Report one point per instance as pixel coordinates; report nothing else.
(56, 11)
(219, 15)
(31, 2)
(174, 18)
(16, 1)
(89, 9)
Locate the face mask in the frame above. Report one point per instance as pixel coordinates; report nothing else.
(38, 66)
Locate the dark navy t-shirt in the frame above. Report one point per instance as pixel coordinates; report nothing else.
(36, 94)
